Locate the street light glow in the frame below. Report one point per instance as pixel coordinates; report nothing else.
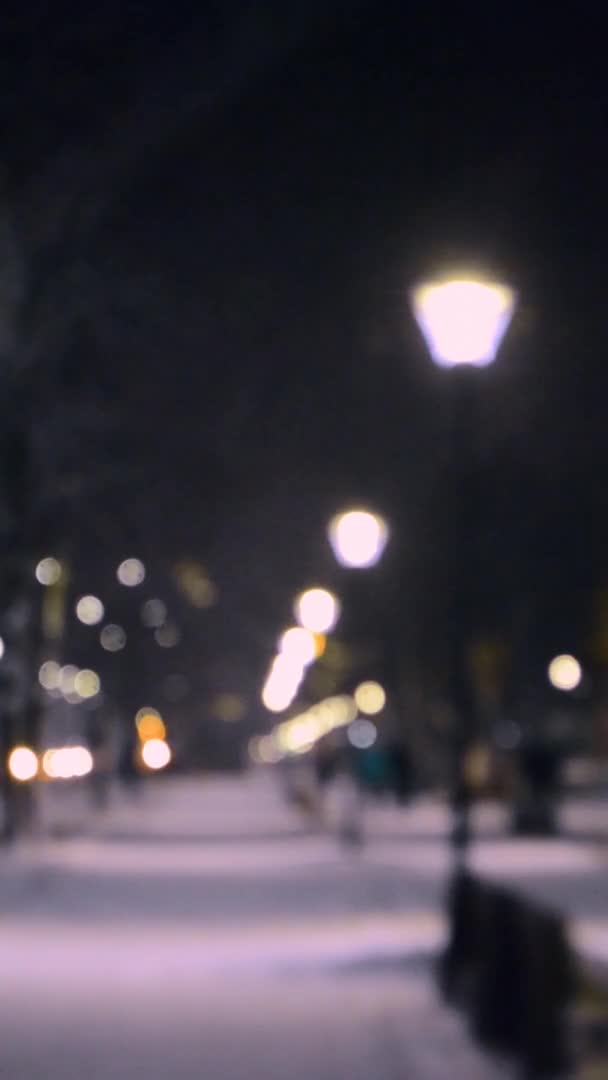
(317, 610)
(463, 321)
(565, 672)
(67, 762)
(22, 764)
(150, 725)
(358, 538)
(283, 683)
(300, 644)
(156, 754)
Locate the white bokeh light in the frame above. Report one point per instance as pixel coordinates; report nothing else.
(283, 682)
(48, 571)
(317, 610)
(358, 538)
(362, 734)
(156, 754)
(300, 644)
(131, 572)
(90, 610)
(565, 672)
(463, 321)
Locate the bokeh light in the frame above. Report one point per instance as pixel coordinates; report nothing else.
(565, 672)
(229, 707)
(87, 683)
(156, 754)
(22, 764)
(48, 675)
(153, 613)
(67, 679)
(195, 583)
(263, 750)
(90, 610)
(48, 571)
(167, 636)
(358, 538)
(370, 698)
(317, 610)
(463, 321)
(131, 572)
(113, 638)
(362, 733)
(299, 734)
(2, 647)
(150, 725)
(67, 762)
(283, 682)
(300, 644)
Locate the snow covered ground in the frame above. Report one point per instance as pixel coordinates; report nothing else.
(206, 930)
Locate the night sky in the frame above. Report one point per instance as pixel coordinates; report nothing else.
(210, 226)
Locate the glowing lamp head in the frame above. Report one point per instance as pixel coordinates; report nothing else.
(358, 538)
(565, 672)
(463, 321)
(317, 610)
(22, 764)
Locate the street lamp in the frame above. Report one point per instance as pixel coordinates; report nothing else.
(358, 538)
(463, 320)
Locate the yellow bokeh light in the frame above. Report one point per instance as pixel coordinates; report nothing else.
(22, 764)
(298, 735)
(229, 707)
(87, 683)
(565, 672)
(156, 754)
(463, 321)
(370, 698)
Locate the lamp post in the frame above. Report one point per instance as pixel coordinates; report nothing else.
(463, 320)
